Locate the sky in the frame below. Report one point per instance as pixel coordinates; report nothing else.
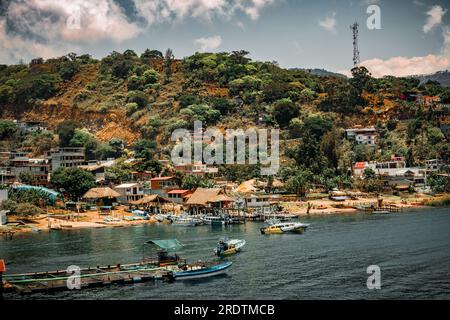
(410, 36)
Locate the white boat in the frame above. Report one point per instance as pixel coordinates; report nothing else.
(213, 220)
(187, 221)
(200, 271)
(229, 247)
(284, 227)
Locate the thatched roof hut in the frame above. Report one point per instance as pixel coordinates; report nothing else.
(101, 193)
(149, 200)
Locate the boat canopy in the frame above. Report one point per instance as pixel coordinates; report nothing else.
(168, 244)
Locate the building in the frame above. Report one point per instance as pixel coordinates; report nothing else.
(381, 168)
(434, 164)
(32, 126)
(129, 192)
(365, 136)
(3, 194)
(3, 218)
(162, 185)
(66, 157)
(98, 168)
(178, 195)
(208, 200)
(197, 169)
(7, 175)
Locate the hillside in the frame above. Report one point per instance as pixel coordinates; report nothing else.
(140, 99)
(443, 77)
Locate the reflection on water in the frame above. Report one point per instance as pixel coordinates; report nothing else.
(328, 261)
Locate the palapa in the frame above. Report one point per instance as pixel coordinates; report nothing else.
(101, 193)
(149, 199)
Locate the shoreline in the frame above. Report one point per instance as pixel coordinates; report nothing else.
(319, 207)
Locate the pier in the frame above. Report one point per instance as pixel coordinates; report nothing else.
(91, 277)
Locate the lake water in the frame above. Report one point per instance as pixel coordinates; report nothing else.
(328, 261)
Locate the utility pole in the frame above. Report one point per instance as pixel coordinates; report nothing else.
(355, 29)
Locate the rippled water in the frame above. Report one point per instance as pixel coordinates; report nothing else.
(328, 261)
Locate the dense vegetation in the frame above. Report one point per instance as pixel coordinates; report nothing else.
(154, 94)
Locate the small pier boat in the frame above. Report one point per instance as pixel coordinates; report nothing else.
(199, 270)
(227, 247)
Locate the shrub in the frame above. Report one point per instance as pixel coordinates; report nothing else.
(27, 209)
(8, 205)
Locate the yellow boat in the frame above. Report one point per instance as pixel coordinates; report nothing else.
(229, 247)
(284, 227)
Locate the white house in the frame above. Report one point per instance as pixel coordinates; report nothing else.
(366, 136)
(130, 192)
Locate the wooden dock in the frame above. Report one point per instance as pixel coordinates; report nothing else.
(88, 278)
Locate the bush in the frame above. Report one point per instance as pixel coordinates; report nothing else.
(137, 97)
(27, 209)
(8, 205)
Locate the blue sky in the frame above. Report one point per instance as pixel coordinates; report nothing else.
(414, 36)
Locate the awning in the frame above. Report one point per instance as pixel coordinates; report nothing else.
(168, 244)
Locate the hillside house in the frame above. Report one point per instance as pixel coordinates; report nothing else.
(162, 185)
(129, 192)
(365, 136)
(66, 157)
(178, 195)
(197, 169)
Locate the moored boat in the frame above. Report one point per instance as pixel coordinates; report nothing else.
(187, 221)
(199, 270)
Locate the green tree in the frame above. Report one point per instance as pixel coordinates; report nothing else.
(27, 178)
(299, 183)
(66, 131)
(74, 181)
(284, 111)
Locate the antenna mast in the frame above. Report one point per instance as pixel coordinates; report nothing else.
(355, 28)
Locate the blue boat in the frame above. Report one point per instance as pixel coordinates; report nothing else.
(201, 271)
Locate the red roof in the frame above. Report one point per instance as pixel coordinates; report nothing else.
(360, 165)
(161, 178)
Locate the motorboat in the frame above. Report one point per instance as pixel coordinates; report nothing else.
(284, 227)
(187, 221)
(198, 270)
(229, 247)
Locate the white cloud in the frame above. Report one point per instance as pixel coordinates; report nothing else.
(170, 10)
(434, 19)
(209, 44)
(31, 28)
(329, 23)
(418, 3)
(49, 28)
(404, 66)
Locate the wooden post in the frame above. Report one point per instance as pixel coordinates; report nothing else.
(2, 269)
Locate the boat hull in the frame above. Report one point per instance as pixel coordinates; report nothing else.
(281, 229)
(202, 273)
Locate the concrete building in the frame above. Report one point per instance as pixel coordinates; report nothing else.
(162, 185)
(197, 169)
(66, 157)
(129, 192)
(365, 136)
(178, 196)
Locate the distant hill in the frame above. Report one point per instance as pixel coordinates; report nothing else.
(321, 72)
(443, 77)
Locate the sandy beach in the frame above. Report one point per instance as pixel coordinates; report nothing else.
(120, 217)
